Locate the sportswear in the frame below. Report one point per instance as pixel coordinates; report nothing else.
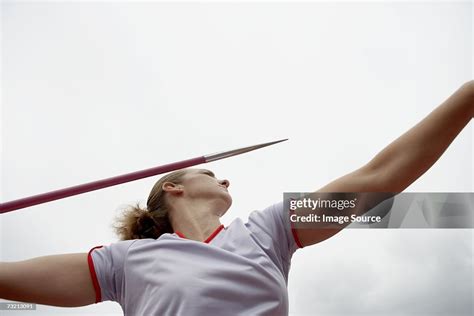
(241, 269)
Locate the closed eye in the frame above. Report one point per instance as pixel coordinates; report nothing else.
(209, 173)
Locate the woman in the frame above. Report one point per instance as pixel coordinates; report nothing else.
(176, 258)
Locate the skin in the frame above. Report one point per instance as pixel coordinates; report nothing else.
(197, 203)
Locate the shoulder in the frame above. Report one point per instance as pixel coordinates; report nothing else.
(267, 216)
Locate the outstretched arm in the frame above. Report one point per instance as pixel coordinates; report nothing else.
(59, 280)
(413, 153)
(405, 159)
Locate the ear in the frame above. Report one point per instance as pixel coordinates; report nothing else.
(172, 188)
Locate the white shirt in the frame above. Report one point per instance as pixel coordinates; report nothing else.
(241, 269)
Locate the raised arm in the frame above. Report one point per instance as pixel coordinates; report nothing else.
(413, 153)
(59, 280)
(407, 158)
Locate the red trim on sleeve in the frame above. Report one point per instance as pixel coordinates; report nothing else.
(95, 282)
(293, 231)
(295, 237)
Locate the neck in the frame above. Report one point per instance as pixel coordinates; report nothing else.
(195, 221)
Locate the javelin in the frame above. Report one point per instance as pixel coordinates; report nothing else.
(100, 184)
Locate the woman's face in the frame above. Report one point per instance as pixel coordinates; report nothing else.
(202, 183)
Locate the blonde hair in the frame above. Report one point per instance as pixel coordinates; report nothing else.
(136, 222)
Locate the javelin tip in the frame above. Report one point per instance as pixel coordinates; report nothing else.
(230, 153)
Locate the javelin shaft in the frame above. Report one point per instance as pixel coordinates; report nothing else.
(96, 185)
(100, 184)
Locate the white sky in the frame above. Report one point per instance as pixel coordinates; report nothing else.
(92, 90)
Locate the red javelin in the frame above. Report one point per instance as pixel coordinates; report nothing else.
(100, 184)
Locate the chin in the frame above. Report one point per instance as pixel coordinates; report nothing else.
(226, 197)
(229, 201)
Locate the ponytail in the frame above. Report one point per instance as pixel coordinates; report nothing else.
(136, 222)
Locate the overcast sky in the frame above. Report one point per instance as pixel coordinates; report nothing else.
(92, 90)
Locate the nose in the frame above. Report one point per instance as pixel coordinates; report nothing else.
(224, 182)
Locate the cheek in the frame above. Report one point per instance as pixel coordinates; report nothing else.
(200, 188)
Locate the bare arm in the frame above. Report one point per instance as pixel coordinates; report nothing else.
(405, 159)
(59, 280)
(413, 153)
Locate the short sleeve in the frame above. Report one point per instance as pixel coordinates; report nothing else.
(106, 265)
(273, 228)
